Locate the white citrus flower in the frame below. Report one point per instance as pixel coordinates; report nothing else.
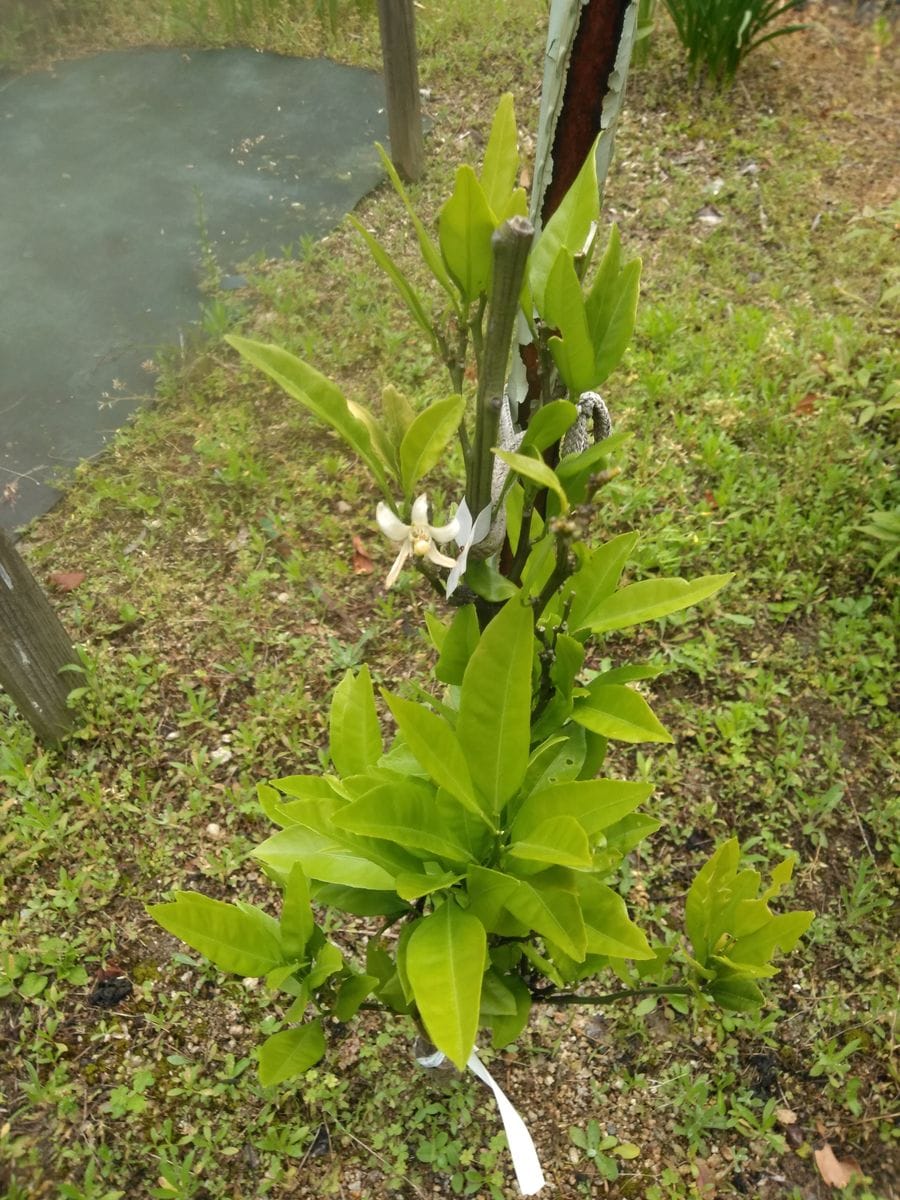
(418, 538)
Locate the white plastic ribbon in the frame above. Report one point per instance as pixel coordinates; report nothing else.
(526, 1163)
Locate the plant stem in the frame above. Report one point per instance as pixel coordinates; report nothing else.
(511, 243)
(566, 998)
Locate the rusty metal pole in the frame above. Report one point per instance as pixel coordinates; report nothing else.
(34, 648)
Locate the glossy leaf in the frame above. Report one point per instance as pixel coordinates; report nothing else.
(552, 912)
(410, 296)
(573, 351)
(495, 705)
(437, 748)
(297, 922)
(465, 229)
(458, 646)
(611, 344)
(558, 840)
(619, 713)
(289, 1053)
(411, 815)
(536, 471)
(610, 930)
(322, 858)
(501, 159)
(429, 250)
(445, 962)
(355, 733)
(413, 886)
(596, 804)
(315, 392)
(507, 1029)
(425, 441)
(597, 578)
(549, 424)
(244, 941)
(649, 600)
(568, 227)
(397, 414)
(351, 994)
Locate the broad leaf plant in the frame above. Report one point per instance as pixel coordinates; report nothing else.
(471, 820)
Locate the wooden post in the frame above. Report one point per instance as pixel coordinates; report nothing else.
(33, 649)
(396, 23)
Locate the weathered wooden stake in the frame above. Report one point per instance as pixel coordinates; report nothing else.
(396, 22)
(34, 648)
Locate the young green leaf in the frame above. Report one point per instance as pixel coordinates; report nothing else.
(553, 912)
(620, 713)
(354, 729)
(501, 158)
(426, 439)
(610, 930)
(548, 425)
(506, 1029)
(430, 252)
(445, 963)
(495, 705)
(409, 294)
(437, 748)
(297, 922)
(596, 804)
(316, 393)
(611, 344)
(412, 816)
(569, 226)
(573, 351)
(244, 941)
(323, 858)
(458, 646)
(558, 840)
(536, 471)
(291, 1052)
(465, 229)
(649, 600)
(597, 578)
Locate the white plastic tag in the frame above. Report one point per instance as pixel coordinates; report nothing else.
(526, 1163)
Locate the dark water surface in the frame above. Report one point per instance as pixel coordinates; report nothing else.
(106, 164)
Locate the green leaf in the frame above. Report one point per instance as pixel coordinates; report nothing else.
(597, 578)
(465, 229)
(412, 886)
(560, 841)
(497, 1000)
(601, 298)
(316, 393)
(507, 1029)
(495, 705)
(437, 748)
(358, 901)
(558, 759)
(323, 858)
(445, 963)
(610, 930)
(610, 346)
(569, 227)
(573, 351)
(488, 893)
(291, 1052)
(620, 713)
(486, 581)
(408, 293)
(351, 994)
(297, 922)
(553, 912)
(708, 895)
(458, 646)
(649, 600)
(242, 941)
(501, 158)
(548, 425)
(430, 252)
(426, 439)
(354, 729)
(735, 993)
(397, 414)
(536, 471)
(596, 804)
(411, 815)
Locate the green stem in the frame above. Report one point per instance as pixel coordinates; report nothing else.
(510, 244)
(567, 998)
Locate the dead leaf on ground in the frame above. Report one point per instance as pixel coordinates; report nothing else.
(67, 581)
(835, 1172)
(706, 1181)
(362, 563)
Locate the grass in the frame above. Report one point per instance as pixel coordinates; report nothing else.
(221, 605)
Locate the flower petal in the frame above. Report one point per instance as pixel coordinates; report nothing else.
(434, 555)
(446, 533)
(390, 524)
(398, 565)
(420, 510)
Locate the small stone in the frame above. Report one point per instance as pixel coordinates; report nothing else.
(214, 830)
